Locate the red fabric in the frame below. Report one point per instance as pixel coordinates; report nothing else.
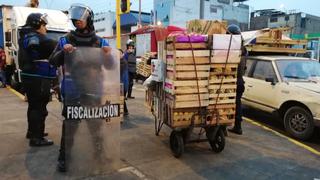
(2, 59)
(157, 34)
(154, 44)
(175, 29)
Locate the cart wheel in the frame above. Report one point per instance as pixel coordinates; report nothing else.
(176, 143)
(218, 141)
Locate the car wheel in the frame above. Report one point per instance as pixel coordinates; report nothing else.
(299, 122)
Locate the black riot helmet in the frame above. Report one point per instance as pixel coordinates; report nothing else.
(130, 42)
(83, 13)
(35, 20)
(233, 29)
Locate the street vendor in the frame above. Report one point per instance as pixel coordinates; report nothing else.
(235, 30)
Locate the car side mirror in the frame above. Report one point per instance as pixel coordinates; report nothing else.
(271, 80)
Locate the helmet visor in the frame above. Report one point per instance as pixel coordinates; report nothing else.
(44, 19)
(79, 13)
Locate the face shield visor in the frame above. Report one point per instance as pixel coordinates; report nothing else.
(44, 19)
(79, 13)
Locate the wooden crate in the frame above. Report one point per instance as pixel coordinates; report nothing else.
(193, 102)
(226, 113)
(183, 117)
(186, 46)
(272, 41)
(207, 27)
(186, 87)
(222, 69)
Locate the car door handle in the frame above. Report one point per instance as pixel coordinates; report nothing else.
(250, 86)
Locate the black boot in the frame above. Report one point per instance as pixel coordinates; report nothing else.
(40, 142)
(236, 128)
(61, 166)
(29, 135)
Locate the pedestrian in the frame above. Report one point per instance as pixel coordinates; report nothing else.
(235, 30)
(84, 35)
(130, 56)
(2, 67)
(124, 79)
(37, 73)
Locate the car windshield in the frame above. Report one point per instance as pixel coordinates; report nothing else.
(299, 70)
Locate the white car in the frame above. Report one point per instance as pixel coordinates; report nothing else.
(288, 86)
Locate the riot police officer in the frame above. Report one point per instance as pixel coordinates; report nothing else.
(234, 29)
(37, 73)
(130, 57)
(84, 35)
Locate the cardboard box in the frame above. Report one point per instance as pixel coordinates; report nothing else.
(157, 70)
(220, 56)
(222, 41)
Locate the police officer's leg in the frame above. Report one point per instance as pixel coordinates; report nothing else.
(238, 115)
(35, 99)
(32, 88)
(66, 142)
(238, 118)
(131, 77)
(45, 96)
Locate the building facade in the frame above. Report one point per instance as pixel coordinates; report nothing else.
(300, 23)
(103, 23)
(178, 12)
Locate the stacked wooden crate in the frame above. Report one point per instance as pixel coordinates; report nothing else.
(186, 83)
(143, 67)
(207, 27)
(225, 58)
(274, 41)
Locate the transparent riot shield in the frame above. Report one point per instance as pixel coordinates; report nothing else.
(91, 87)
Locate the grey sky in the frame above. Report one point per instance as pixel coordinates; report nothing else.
(307, 6)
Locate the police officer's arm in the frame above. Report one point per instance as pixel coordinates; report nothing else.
(32, 44)
(109, 60)
(57, 57)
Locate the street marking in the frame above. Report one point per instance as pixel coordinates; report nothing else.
(16, 92)
(134, 171)
(312, 150)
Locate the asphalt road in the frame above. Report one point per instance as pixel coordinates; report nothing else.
(276, 124)
(258, 154)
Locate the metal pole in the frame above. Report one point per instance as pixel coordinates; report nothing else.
(139, 13)
(118, 24)
(318, 50)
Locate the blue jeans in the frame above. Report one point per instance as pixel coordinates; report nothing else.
(3, 77)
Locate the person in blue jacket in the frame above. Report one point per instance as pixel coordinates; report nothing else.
(83, 36)
(124, 78)
(37, 74)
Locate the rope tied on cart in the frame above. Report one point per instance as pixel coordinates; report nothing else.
(223, 76)
(197, 80)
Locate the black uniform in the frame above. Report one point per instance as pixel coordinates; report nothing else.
(240, 89)
(37, 74)
(131, 58)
